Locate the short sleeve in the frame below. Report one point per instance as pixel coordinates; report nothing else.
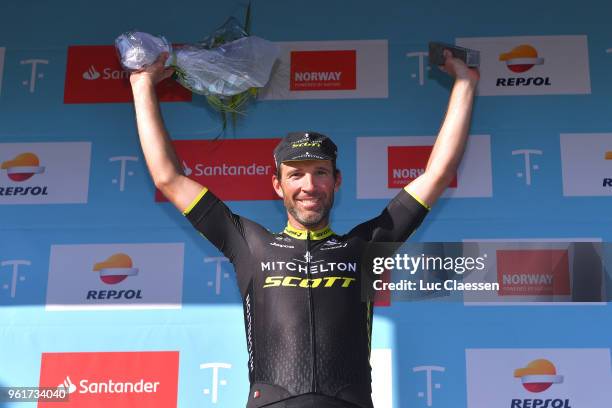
(396, 222)
(215, 221)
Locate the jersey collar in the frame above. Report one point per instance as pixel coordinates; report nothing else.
(303, 234)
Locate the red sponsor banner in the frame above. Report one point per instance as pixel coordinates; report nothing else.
(382, 298)
(323, 70)
(112, 379)
(405, 163)
(533, 272)
(238, 169)
(94, 75)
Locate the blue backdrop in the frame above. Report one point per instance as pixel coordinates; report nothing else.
(208, 327)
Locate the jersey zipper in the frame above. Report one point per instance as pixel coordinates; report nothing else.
(313, 349)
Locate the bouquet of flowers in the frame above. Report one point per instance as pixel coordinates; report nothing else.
(228, 67)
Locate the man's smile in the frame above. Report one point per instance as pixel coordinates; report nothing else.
(310, 203)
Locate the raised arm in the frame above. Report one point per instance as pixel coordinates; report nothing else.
(450, 143)
(164, 167)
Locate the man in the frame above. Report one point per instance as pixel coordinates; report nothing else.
(308, 330)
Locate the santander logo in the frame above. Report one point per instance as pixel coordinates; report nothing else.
(91, 73)
(68, 385)
(112, 379)
(222, 165)
(109, 386)
(94, 75)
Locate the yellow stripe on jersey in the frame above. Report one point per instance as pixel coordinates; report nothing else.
(417, 198)
(303, 234)
(195, 201)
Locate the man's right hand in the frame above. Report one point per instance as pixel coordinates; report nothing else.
(154, 73)
(457, 69)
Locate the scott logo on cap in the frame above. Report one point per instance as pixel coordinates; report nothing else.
(305, 146)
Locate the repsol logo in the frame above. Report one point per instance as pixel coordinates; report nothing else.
(23, 191)
(114, 294)
(535, 81)
(296, 281)
(540, 403)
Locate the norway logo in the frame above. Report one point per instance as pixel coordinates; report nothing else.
(406, 163)
(330, 70)
(323, 70)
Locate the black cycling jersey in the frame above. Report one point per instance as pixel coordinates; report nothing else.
(308, 329)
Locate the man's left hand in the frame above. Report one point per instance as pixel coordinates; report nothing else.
(458, 69)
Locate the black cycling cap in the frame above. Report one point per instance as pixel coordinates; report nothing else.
(305, 146)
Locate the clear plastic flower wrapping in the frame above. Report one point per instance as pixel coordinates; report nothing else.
(209, 67)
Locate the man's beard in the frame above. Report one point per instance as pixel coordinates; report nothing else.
(313, 218)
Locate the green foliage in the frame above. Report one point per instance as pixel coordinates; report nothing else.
(234, 105)
(227, 106)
